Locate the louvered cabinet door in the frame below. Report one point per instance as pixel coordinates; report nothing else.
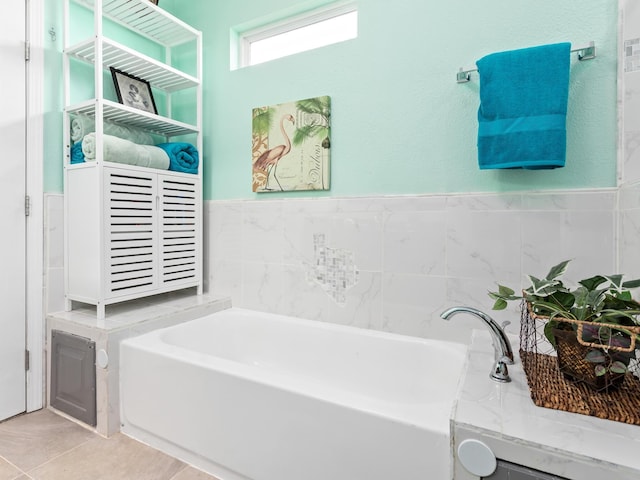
(179, 231)
(131, 263)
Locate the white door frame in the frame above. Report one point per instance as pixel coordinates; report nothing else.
(35, 220)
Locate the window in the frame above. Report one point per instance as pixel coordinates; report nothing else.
(318, 28)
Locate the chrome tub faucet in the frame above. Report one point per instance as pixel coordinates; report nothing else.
(501, 345)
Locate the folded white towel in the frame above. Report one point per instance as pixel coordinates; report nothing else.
(120, 150)
(82, 125)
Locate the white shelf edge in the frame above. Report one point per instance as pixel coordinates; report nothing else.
(134, 117)
(147, 20)
(133, 168)
(186, 81)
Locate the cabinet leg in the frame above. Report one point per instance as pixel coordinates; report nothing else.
(100, 311)
(68, 305)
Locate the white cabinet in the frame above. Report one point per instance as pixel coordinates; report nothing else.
(139, 235)
(130, 231)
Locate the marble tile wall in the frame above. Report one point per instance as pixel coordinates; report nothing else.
(414, 255)
(54, 252)
(408, 257)
(400, 260)
(631, 95)
(629, 235)
(629, 203)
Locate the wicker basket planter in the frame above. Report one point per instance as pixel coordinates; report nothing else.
(560, 378)
(575, 367)
(590, 367)
(572, 351)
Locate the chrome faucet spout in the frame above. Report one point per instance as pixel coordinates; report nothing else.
(501, 344)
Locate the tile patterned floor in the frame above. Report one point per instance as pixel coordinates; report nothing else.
(46, 446)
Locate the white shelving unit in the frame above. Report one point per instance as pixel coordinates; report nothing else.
(131, 231)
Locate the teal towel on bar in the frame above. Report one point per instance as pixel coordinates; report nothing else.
(523, 108)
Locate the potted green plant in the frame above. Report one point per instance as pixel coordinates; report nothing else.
(593, 327)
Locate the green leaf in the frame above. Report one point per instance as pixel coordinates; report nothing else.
(557, 270)
(309, 131)
(500, 304)
(262, 119)
(582, 306)
(624, 295)
(616, 281)
(542, 307)
(618, 367)
(563, 299)
(600, 370)
(593, 282)
(595, 356)
(542, 287)
(616, 316)
(632, 283)
(319, 105)
(548, 332)
(505, 291)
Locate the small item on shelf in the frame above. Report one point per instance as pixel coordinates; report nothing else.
(183, 157)
(155, 2)
(76, 154)
(133, 91)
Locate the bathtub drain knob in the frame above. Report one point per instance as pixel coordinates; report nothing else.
(102, 358)
(477, 458)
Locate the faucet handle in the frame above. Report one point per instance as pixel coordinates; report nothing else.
(500, 372)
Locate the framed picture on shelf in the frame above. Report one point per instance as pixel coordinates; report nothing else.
(133, 91)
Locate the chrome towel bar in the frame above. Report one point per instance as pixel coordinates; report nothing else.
(586, 52)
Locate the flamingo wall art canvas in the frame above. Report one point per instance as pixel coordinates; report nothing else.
(292, 145)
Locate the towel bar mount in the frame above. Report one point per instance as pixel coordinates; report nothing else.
(586, 52)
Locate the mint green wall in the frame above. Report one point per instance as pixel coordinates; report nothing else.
(52, 169)
(400, 123)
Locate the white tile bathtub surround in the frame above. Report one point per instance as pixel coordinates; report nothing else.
(630, 96)
(632, 153)
(416, 255)
(631, 119)
(629, 235)
(54, 252)
(333, 269)
(54, 230)
(504, 418)
(631, 19)
(631, 54)
(414, 242)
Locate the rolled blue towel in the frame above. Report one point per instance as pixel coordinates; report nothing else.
(76, 153)
(523, 107)
(183, 157)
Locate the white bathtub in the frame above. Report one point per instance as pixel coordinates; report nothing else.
(248, 395)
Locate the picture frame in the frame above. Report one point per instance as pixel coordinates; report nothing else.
(291, 146)
(133, 91)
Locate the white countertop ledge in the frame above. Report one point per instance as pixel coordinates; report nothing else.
(505, 412)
